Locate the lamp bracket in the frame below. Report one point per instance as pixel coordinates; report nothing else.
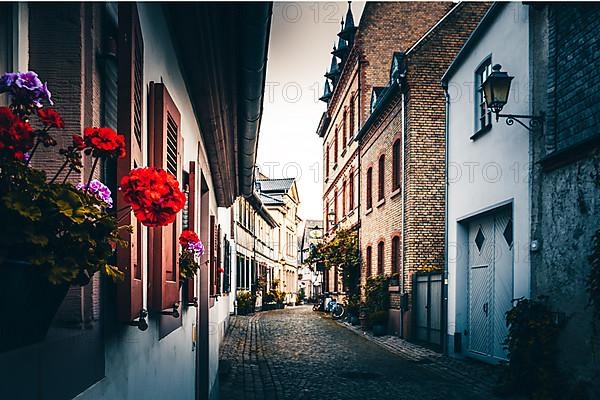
(534, 123)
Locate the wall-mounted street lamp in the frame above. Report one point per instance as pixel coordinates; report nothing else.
(331, 218)
(496, 89)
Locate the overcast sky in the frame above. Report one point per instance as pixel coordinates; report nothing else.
(302, 37)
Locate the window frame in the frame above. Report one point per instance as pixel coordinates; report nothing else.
(396, 164)
(381, 177)
(369, 188)
(380, 255)
(481, 73)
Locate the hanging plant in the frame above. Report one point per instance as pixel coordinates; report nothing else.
(191, 250)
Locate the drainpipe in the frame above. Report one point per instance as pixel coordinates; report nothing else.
(358, 169)
(402, 290)
(444, 299)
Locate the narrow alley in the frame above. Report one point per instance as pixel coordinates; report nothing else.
(300, 354)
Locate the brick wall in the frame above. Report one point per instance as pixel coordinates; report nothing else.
(424, 151)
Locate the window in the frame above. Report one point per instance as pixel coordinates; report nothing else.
(335, 146)
(395, 254)
(369, 188)
(483, 115)
(352, 117)
(190, 223)
(380, 258)
(381, 175)
(397, 166)
(369, 256)
(351, 194)
(344, 198)
(335, 207)
(344, 129)
(6, 43)
(327, 162)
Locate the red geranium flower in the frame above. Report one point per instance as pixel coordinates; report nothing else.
(16, 136)
(51, 118)
(153, 194)
(188, 236)
(105, 141)
(78, 142)
(220, 270)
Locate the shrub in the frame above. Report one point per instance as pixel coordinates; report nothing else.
(245, 302)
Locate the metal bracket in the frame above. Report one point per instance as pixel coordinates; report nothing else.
(141, 323)
(174, 313)
(535, 121)
(193, 303)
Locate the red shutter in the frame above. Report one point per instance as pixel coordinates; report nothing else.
(191, 283)
(130, 87)
(164, 150)
(212, 259)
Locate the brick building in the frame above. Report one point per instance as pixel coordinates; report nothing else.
(360, 62)
(402, 157)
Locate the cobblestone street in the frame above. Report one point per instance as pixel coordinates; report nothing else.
(300, 354)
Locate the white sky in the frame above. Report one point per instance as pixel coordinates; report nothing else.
(302, 37)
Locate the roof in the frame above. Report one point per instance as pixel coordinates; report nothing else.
(479, 31)
(269, 199)
(275, 185)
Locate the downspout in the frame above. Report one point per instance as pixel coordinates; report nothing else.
(444, 299)
(359, 171)
(402, 290)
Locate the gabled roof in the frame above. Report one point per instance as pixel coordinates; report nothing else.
(479, 31)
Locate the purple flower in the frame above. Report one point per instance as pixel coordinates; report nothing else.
(25, 88)
(100, 190)
(197, 248)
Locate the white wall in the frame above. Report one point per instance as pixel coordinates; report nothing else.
(138, 364)
(495, 167)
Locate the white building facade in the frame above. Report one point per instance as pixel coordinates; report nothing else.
(488, 206)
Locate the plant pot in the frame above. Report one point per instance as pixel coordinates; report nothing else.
(378, 330)
(28, 303)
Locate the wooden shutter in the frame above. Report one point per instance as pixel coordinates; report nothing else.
(191, 283)
(164, 148)
(213, 258)
(219, 261)
(129, 123)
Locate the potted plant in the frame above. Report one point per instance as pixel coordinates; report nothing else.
(245, 302)
(57, 234)
(191, 250)
(378, 322)
(363, 316)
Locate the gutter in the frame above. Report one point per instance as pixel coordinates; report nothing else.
(255, 29)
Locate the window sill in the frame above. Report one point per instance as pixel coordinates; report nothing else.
(335, 166)
(394, 288)
(369, 211)
(351, 213)
(396, 193)
(380, 203)
(326, 179)
(344, 152)
(481, 132)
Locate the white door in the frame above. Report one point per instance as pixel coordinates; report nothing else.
(490, 284)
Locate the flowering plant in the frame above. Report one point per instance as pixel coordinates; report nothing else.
(66, 231)
(191, 250)
(153, 194)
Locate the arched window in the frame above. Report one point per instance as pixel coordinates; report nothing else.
(395, 254)
(344, 129)
(369, 188)
(380, 258)
(381, 180)
(369, 256)
(344, 198)
(397, 166)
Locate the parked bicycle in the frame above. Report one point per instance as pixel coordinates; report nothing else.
(336, 309)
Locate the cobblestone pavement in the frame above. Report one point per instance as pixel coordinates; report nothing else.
(299, 354)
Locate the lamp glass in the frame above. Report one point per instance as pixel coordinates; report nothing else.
(496, 89)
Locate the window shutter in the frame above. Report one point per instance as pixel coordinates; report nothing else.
(213, 260)
(129, 123)
(164, 150)
(191, 283)
(219, 276)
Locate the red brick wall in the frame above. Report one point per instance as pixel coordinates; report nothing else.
(424, 151)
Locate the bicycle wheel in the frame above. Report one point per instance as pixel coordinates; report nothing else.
(338, 311)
